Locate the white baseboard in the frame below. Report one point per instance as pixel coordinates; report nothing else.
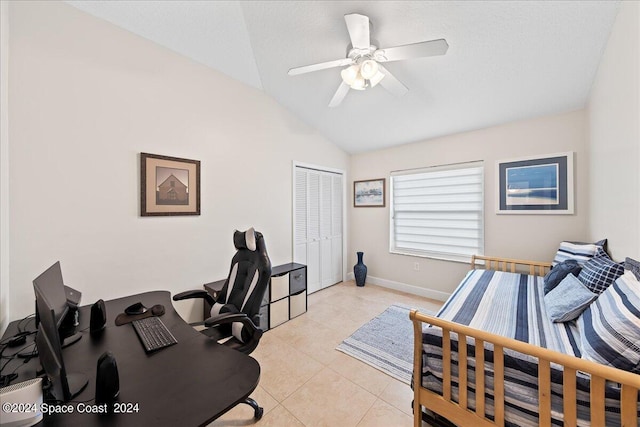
(403, 287)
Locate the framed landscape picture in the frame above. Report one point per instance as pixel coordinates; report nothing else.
(369, 193)
(536, 185)
(169, 186)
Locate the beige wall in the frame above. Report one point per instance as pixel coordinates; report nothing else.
(518, 236)
(606, 171)
(86, 98)
(4, 166)
(614, 138)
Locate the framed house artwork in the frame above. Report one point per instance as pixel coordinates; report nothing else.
(169, 186)
(369, 193)
(535, 185)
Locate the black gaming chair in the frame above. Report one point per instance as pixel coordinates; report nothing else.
(235, 313)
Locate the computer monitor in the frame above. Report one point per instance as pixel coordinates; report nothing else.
(64, 386)
(50, 284)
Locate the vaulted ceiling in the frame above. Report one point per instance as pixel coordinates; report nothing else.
(507, 60)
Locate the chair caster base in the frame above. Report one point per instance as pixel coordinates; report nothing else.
(258, 412)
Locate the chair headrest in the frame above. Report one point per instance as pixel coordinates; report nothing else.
(245, 239)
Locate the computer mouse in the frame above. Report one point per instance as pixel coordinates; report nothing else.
(136, 308)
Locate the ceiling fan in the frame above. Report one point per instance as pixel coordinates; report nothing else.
(364, 60)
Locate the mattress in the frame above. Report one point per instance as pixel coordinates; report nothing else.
(511, 305)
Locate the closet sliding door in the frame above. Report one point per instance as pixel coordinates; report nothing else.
(318, 225)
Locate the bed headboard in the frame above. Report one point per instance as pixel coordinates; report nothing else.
(535, 268)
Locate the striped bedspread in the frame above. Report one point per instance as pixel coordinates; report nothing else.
(511, 305)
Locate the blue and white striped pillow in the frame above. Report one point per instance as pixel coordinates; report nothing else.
(610, 327)
(633, 266)
(581, 252)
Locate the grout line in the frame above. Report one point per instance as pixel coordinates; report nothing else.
(292, 414)
(343, 291)
(367, 411)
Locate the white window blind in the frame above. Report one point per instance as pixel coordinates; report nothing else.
(438, 212)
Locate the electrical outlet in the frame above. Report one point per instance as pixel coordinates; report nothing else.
(416, 266)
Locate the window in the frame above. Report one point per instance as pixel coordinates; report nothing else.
(438, 212)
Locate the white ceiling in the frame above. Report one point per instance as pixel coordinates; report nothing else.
(507, 60)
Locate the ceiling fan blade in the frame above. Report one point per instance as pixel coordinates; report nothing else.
(342, 91)
(390, 83)
(358, 27)
(415, 50)
(320, 66)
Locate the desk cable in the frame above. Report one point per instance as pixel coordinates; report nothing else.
(20, 338)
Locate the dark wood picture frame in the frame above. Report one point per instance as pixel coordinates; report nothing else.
(369, 193)
(169, 186)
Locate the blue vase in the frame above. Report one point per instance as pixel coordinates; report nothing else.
(360, 270)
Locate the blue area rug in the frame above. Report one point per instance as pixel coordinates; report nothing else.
(385, 342)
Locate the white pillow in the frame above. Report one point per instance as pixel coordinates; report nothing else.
(581, 252)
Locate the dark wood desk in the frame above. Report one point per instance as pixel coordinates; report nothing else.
(188, 384)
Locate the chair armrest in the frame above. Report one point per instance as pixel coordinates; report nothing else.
(255, 332)
(228, 318)
(197, 293)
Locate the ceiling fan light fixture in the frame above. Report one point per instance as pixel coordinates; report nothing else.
(350, 74)
(359, 83)
(364, 61)
(369, 69)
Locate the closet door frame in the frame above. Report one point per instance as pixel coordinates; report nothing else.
(319, 168)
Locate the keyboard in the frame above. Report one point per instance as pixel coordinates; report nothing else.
(153, 334)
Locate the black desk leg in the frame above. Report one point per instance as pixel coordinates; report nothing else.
(257, 410)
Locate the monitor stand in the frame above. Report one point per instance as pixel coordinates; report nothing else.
(77, 382)
(66, 342)
(71, 339)
(73, 296)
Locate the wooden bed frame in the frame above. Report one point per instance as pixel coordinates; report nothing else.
(460, 414)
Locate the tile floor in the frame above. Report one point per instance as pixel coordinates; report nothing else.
(306, 382)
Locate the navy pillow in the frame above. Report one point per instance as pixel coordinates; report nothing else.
(600, 272)
(559, 272)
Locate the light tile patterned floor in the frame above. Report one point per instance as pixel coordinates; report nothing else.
(306, 382)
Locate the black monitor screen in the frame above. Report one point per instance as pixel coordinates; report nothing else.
(63, 386)
(50, 285)
(50, 350)
(51, 362)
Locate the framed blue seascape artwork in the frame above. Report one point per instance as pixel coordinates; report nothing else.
(536, 185)
(369, 193)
